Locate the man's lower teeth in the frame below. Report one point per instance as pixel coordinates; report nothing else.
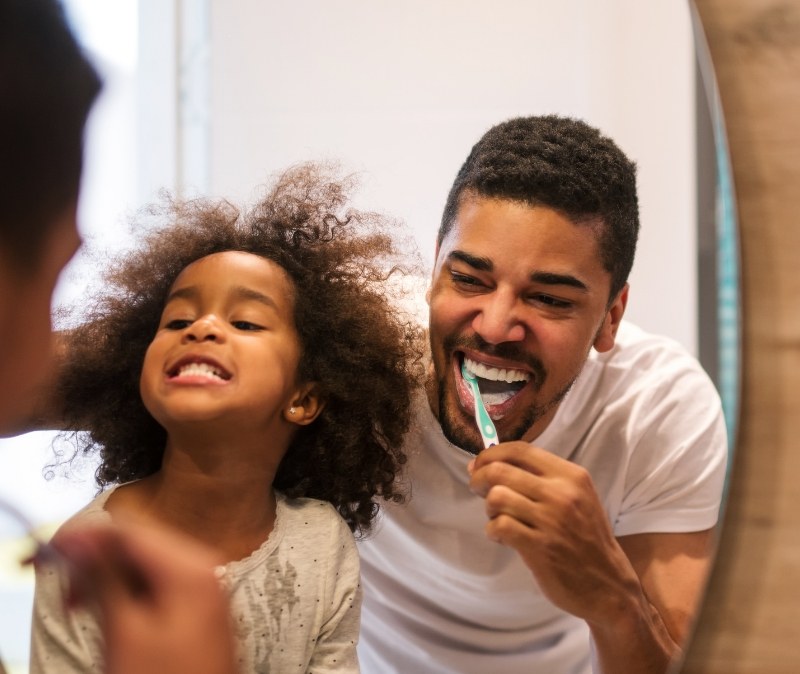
(495, 398)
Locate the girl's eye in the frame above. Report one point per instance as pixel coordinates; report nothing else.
(178, 324)
(245, 325)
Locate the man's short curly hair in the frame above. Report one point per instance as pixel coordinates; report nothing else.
(564, 164)
(362, 351)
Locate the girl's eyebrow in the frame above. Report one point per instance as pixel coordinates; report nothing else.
(543, 277)
(246, 293)
(240, 292)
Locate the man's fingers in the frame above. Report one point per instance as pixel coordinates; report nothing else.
(502, 500)
(529, 457)
(509, 531)
(497, 473)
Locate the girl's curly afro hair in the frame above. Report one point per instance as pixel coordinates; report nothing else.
(362, 350)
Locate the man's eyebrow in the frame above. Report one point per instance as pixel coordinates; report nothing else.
(479, 263)
(543, 277)
(552, 279)
(241, 292)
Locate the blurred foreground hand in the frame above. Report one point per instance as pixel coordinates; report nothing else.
(163, 609)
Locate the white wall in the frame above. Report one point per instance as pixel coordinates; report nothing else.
(400, 92)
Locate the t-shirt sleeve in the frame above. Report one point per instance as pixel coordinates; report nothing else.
(62, 641)
(678, 464)
(335, 650)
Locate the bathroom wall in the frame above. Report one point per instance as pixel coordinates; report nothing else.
(400, 91)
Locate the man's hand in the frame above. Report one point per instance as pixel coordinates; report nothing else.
(547, 509)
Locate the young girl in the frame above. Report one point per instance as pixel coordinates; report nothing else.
(246, 380)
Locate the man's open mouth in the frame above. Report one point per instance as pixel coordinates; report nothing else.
(497, 385)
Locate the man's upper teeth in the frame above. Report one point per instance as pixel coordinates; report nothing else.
(201, 369)
(495, 373)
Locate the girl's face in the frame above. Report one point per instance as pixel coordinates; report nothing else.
(226, 349)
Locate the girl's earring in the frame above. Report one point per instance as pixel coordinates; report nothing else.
(292, 411)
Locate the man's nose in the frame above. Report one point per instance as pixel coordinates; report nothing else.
(205, 329)
(498, 320)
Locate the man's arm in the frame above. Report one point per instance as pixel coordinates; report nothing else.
(672, 570)
(637, 594)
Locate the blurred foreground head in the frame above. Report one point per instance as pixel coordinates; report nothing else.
(47, 88)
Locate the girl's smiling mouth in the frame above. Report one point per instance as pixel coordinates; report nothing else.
(195, 369)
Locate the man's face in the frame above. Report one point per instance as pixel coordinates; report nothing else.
(25, 326)
(521, 294)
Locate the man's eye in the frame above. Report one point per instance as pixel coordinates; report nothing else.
(465, 280)
(551, 301)
(245, 325)
(178, 324)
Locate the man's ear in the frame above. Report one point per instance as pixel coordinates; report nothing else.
(306, 405)
(433, 276)
(607, 334)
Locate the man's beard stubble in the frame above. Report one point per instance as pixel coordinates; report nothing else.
(471, 442)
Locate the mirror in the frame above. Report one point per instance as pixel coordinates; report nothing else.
(261, 87)
(749, 619)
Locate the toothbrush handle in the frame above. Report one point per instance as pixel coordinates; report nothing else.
(485, 425)
(482, 419)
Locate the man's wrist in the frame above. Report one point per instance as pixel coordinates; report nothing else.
(633, 638)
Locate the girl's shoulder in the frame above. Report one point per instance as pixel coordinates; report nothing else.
(309, 519)
(93, 512)
(309, 513)
(311, 530)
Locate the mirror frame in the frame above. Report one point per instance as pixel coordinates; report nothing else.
(748, 623)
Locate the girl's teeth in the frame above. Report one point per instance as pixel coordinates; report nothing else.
(202, 369)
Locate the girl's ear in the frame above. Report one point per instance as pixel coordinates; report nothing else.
(305, 406)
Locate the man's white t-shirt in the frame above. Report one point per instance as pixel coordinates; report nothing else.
(646, 422)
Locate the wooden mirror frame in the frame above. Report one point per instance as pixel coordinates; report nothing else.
(750, 622)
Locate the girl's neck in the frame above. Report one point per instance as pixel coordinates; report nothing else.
(220, 495)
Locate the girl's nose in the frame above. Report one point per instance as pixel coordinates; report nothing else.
(204, 329)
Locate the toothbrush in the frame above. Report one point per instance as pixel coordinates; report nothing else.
(42, 550)
(482, 418)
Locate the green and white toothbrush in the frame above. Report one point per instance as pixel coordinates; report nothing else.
(482, 418)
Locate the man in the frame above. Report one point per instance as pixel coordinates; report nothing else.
(594, 516)
(46, 91)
